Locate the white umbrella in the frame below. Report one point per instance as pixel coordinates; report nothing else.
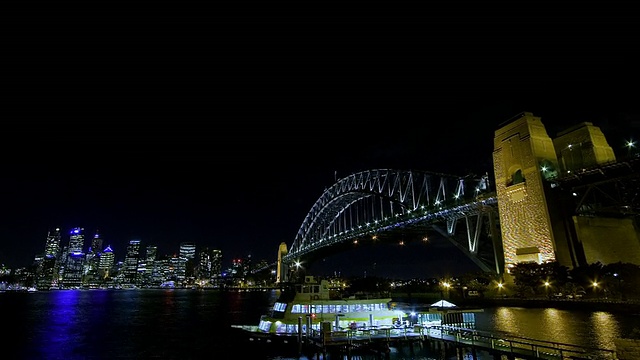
(443, 303)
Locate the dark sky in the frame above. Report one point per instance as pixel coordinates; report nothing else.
(225, 131)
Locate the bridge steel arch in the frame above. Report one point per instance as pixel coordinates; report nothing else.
(374, 202)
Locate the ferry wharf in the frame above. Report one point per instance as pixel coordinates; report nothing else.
(448, 341)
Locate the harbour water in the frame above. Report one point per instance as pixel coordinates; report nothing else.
(193, 324)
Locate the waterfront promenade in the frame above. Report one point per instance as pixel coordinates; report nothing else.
(629, 305)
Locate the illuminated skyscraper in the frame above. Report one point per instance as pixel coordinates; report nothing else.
(76, 240)
(188, 250)
(74, 260)
(186, 264)
(96, 243)
(203, 269)
(107, 259)
(48, 266)
(131, 261)
(216, 267)
(52, 247)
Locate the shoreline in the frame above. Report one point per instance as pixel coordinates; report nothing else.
(627, 306)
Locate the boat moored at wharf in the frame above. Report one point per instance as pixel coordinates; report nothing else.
(313, 308)
(312, 304)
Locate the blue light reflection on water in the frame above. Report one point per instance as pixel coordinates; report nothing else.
(188, 324)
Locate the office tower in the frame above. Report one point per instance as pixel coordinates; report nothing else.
(74, 260)
(52, 247)
(186, 268)
(107, 260)
(48, 267)
(216, 266)
(146, 266)
(96, 243)
(203, 269)
(92, 278)
(131, 261)
(188, 250)
(76, 240)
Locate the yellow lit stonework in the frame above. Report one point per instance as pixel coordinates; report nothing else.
(520, 149)
(582, 146)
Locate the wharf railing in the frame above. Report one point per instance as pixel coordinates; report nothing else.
(522, 347)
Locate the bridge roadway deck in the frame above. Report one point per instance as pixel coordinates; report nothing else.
(376, 339)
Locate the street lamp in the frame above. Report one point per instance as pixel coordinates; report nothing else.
(630, 144)
(445, 286)
(546, 288)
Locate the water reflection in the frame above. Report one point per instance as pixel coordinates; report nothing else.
(556, 325)
(604, 329)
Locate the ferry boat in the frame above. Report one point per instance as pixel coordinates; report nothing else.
(313, 304)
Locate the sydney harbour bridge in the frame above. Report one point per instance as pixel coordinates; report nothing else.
(399, 206)
(402, 206)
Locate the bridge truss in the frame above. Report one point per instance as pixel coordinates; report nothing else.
(380, 204)
(608, 190)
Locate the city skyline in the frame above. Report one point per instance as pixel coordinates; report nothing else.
(75, 240)
(147, 222)
(176, 134)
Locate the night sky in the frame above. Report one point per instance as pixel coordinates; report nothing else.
(225, 132)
